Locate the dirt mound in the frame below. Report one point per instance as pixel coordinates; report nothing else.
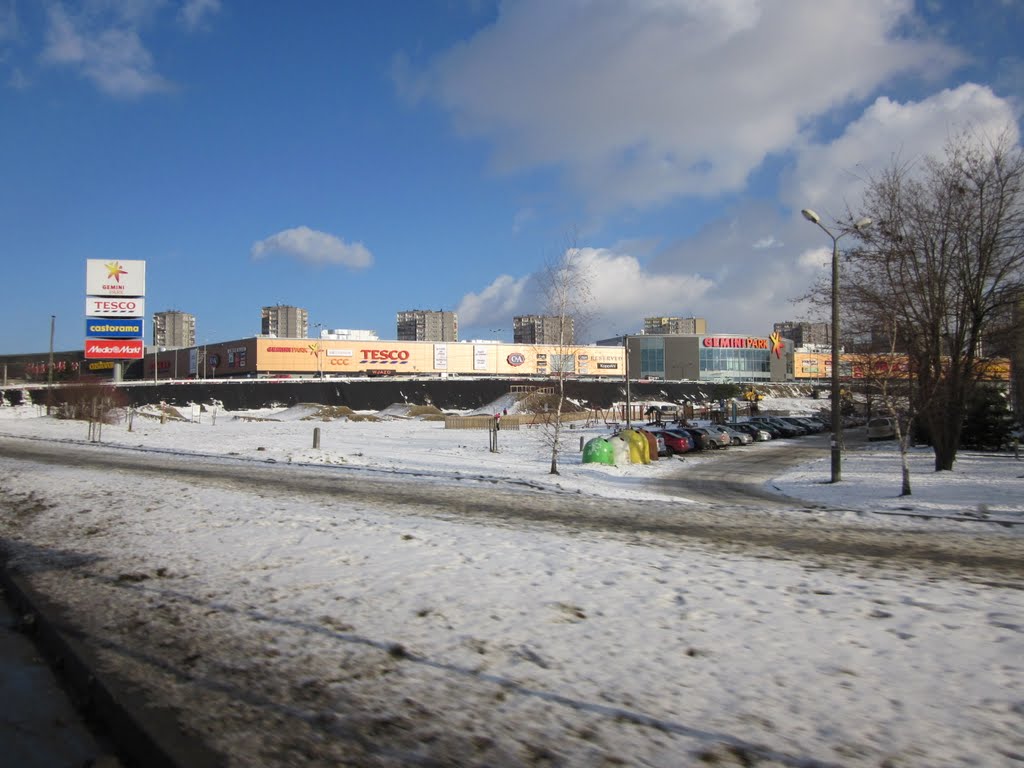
(335, 412)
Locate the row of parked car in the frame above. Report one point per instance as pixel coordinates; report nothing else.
(677, 437)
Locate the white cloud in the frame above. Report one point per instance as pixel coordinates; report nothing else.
(622, 293)
(767, 242)
(522, 218)
(194, 13)
(105, 49)
(641, 102)
(314, 247)
(813, 261)
(495, 304)
(828, 177)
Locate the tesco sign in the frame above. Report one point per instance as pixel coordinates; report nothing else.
(100, 306)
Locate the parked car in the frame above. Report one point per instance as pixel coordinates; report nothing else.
(702, 440)
(717, 439)
(784, 429)
(882, 428)
(796, 424)
(771, 429)
(757, 433)
(825, 423)
(735, 437)
(676, 441)
(813, 426)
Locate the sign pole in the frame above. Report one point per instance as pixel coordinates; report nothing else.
(49, 369)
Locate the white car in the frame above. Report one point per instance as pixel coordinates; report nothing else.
(882, 428)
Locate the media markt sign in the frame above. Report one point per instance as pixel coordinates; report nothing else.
(113, 349)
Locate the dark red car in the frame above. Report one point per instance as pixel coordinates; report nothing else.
(676, 441)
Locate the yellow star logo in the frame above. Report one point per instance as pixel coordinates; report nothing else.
(314, 349)
(114, 271)
(777, 345)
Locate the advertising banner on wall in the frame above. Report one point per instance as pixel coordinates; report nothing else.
(114, 349)
(441, 357)
(105, 328)
(99, 306)
(113, 277)
(479, 357)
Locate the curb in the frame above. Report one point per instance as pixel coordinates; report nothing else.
(140, 734)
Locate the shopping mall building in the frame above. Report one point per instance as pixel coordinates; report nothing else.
(718, 358)
(690, 357)
(707, 357)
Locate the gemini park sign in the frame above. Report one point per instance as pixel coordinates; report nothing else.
(114, 309)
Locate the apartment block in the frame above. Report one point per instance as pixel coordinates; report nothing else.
(427, 325)
(173, 329)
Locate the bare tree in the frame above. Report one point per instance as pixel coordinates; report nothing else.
(885, 377)
(941, 268)
(565, 287)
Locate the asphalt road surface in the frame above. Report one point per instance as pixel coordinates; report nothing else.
(728, 511)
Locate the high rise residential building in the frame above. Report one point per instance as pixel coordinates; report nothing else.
(542, 329)
(427, 325)
(804, 334)
(666, 326)
(285, 322)
(174, 329)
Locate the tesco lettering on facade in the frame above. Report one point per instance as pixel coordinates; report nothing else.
(99, 306)
(386, 356)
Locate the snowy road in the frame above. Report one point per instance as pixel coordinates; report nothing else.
(309, 616)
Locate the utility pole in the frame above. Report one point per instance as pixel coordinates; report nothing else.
(49, 369)
(629, 406)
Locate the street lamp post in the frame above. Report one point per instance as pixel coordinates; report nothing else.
(319, 349)
(155, 362)
(837, 419)
(629, 405)
(49, 368)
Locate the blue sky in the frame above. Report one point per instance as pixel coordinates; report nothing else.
(362, 158)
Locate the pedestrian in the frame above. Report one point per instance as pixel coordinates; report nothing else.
(497, 422)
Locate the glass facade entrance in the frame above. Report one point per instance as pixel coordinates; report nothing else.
(720, 364)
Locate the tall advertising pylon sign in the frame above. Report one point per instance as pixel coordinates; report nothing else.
(115, 290)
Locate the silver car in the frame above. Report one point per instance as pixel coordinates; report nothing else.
(735, 437)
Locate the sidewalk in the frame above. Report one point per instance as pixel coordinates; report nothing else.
(40, 728)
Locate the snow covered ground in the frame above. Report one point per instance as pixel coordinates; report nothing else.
(501, 645)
